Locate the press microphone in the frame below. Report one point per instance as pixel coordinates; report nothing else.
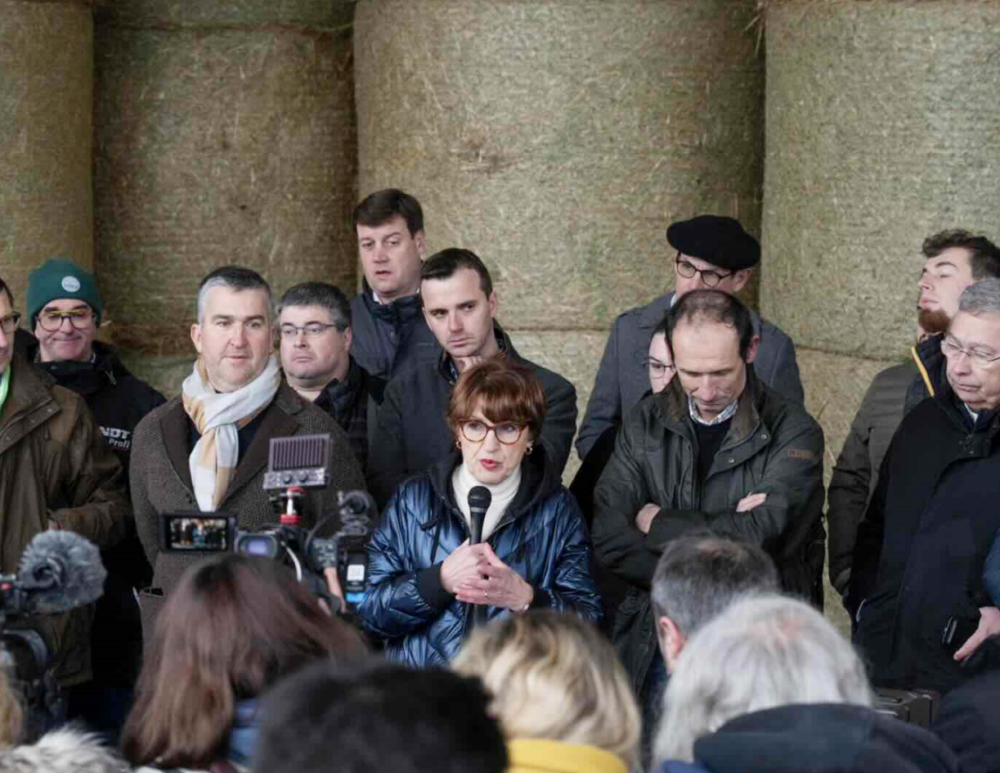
(479, 502)
(59, 571)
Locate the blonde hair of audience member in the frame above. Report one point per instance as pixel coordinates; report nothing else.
(553, 676)
(762, 652)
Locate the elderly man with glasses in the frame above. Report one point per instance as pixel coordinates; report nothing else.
(924, 618)
(314, 326)
(709, 252)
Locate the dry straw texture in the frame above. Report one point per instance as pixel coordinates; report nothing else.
(558, 139)
(316, 14)
(883, 126)
(46, 74)
(218, 146)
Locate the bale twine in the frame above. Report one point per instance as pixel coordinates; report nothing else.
(46, 93)
(219, 141)
(558, 138)
(882, 127)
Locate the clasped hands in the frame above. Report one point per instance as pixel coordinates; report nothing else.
(475, 575)
(644, 518)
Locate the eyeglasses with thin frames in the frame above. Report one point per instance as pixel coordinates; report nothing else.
(311, 329)
(657, 369)
(951, 349)
(475, 431)
(9, 323)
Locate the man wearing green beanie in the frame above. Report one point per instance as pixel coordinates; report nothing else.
(56, 472)
(65, 310)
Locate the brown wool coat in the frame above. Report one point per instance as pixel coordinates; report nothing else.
(161, 480)
(55, 467)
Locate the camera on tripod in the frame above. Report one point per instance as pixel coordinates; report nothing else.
(294, 465)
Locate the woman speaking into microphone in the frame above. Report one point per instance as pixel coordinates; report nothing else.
(429, 580)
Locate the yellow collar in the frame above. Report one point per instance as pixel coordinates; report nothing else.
(529, 754)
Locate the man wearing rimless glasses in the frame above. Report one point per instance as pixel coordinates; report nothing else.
(709, 252)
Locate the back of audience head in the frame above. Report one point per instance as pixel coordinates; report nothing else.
(696, 578)
(761, 652)
(231, 628)
(554, 676)
(379, 718)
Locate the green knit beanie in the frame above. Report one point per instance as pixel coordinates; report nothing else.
(61, 278)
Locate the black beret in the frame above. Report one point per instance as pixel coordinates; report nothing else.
(719, 240)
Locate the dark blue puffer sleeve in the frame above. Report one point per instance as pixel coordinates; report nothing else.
(393, 605)
(572, 588)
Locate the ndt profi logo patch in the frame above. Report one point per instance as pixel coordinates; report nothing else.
(71, 284)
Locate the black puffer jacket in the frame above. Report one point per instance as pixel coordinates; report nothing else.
(773, 447)
(541, 537)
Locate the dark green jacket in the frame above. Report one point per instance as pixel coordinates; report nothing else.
(773, 447)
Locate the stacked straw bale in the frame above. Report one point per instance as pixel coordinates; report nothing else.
(46, 94)
(225, 134)
(558, 138)
(883, 127)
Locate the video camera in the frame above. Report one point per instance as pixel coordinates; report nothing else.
(294, 464)
(59, 571)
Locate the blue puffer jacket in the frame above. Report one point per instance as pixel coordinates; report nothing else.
(541, 537)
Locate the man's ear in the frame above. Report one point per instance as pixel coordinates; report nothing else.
(671, 641)
(196, 336)
(420, 239)
(741, 278)
(348, 339)
(754, 347)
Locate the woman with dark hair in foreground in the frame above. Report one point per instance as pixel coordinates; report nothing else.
(233, 627)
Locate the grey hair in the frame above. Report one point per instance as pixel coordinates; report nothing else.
(699, 575)
(982, 297)
(760, 653)
(323, 294)
(236, 278)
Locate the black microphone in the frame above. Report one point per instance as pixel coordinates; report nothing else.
(60, 570)
(479, 502)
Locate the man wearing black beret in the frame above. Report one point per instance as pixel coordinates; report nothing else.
(711, 252)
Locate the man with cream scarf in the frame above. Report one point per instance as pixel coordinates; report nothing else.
(207, 450)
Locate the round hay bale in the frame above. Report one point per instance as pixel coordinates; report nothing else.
(882, 128)
(215, 146)
(46, 108)
(316, 14)
(558, 138)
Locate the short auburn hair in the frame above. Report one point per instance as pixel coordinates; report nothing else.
(503, 391)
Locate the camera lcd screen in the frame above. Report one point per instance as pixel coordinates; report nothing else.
(197, 532)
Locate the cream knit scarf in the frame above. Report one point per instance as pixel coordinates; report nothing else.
(218, 416)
